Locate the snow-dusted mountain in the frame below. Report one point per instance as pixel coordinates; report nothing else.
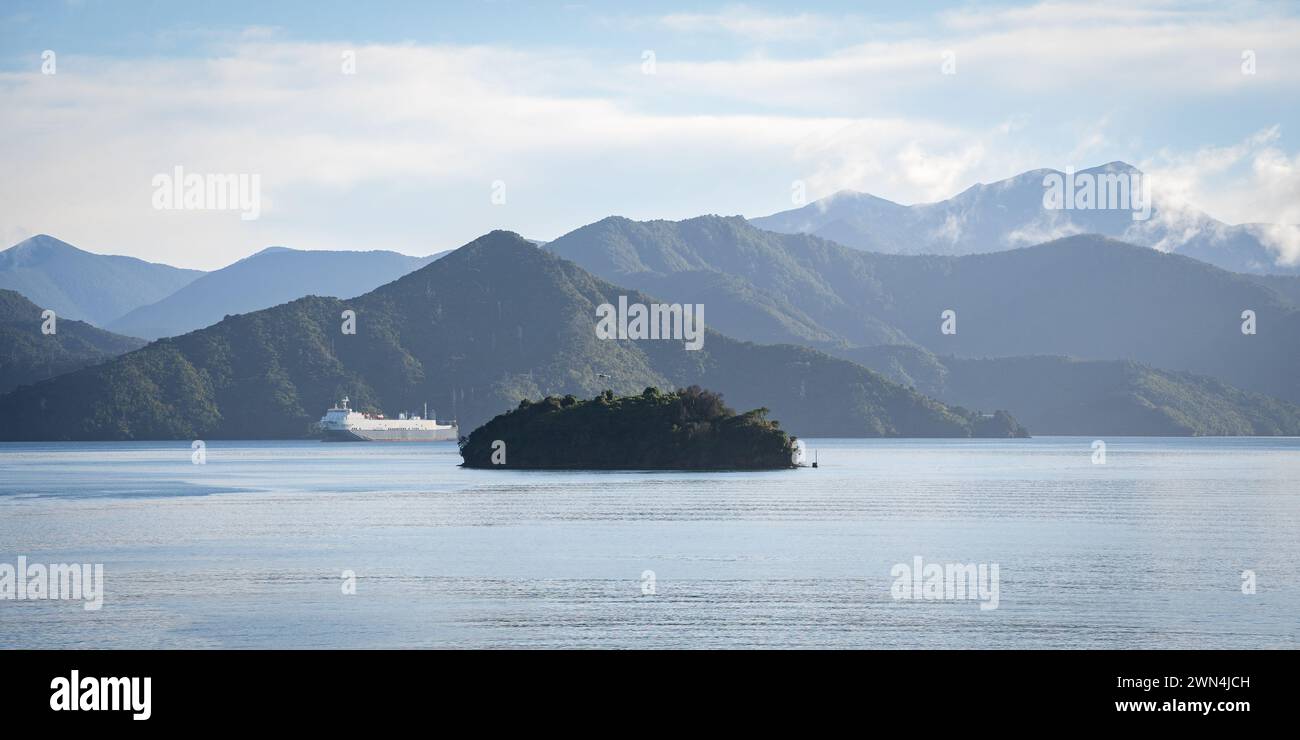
(1011, 213)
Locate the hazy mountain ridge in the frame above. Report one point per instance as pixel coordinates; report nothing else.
(77, 284)
(1009, 213)
(1159, 334)
(27, 355)
(1096, 298)
(270, 277)
(1084, 296)
(495, 321)
(1286, 287)
(1061, 395)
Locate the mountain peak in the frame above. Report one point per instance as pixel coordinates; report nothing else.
(1116, 166)
(849, 198)
(263, 253)
(714, 218)
(847, 194)
(491, 246)
(501, 238)
(1013, 212)
(39, 243)
(1088, 241)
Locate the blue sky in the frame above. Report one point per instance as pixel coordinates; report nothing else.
(556, 102)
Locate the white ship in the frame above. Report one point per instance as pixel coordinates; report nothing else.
(342, 424)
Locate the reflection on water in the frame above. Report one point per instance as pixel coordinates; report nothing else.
(249, 549)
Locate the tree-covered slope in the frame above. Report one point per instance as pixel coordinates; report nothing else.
(1084, 296)
(28, 355)
(1060, 395)
(494, 322)
(761, 285)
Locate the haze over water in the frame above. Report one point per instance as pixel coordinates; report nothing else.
(247, 550)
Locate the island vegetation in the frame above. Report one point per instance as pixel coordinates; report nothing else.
(687, 429)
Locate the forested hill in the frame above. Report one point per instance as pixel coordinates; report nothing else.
(494, 322)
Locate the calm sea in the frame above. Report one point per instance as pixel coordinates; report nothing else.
(250, 549)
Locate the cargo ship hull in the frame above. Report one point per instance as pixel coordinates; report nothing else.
(390, 435)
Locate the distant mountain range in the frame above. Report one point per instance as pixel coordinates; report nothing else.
(1010, 213)
(1060, 395)
(76, 284)
(1081, 335)
(149, 300)
(1086, 296)
(473, 333)
(28, 355)
(270, 277)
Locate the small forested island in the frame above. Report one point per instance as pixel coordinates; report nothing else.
(687, 429)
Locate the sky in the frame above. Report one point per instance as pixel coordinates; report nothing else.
(419, 126)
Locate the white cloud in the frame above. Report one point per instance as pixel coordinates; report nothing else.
(1254, 180)
(1153, 52)
(740, 20)
(919, 160)
(88, 143)
(401, 154)
(1051, 225)
(1203, 193)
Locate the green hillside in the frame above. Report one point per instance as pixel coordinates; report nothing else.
(27, 355)
(493, 323)
(1084, 296)
(1060, 395)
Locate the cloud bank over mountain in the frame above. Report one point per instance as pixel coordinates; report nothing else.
(1040, 206)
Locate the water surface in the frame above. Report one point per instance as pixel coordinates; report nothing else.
(248, 550)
